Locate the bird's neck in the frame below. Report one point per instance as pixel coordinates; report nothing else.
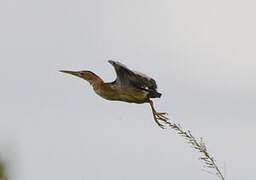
(96, 82)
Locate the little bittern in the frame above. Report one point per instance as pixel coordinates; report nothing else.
(129, 86)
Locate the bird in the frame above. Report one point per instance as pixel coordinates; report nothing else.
(130, 86)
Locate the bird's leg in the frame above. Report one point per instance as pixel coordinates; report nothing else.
(158, 116)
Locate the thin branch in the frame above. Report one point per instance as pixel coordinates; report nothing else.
(199, 146)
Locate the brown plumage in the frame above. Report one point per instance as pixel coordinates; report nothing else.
(129, 86)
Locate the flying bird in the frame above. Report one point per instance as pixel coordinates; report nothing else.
(129, 86)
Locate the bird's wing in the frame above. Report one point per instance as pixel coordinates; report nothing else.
(147, 81)
(126, 77)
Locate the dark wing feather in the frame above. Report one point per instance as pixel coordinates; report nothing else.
(127, 78)
(146, 81)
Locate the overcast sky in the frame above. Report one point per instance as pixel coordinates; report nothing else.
(200, 52)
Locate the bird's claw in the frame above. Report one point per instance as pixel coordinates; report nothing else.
(160, 117)
(161, 126)
(163, 113)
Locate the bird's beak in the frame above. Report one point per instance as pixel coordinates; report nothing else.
(75, 73)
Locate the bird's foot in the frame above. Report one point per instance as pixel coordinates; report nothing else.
(160, 117)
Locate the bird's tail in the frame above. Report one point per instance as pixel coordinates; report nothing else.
(154, 94)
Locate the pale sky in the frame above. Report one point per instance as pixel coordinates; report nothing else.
(201, 53)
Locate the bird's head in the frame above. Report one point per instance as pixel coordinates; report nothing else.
(86, 75)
